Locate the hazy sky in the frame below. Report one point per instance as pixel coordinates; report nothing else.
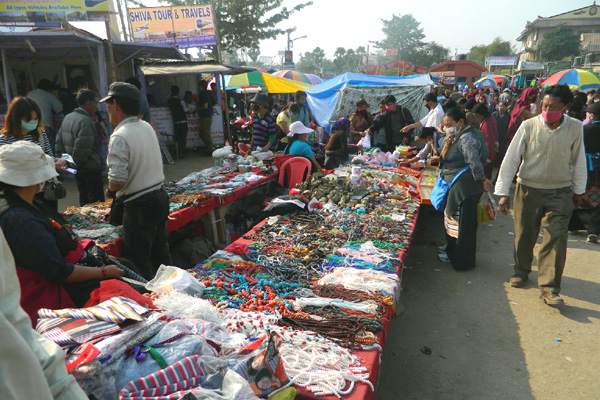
(456, 24)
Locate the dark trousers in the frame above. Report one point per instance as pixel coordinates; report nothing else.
(462, 251)
(180, 132)
(145, 232)
(90, 185)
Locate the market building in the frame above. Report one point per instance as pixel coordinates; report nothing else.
(464, 72)
(584, 20)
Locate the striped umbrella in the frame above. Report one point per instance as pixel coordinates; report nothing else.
(270, 83)
(486, 82)
(314, 79)
(294, 75)
(580, 79)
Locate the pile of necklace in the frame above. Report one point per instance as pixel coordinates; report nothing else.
(244, 285)
(311, 361)
(91, 222)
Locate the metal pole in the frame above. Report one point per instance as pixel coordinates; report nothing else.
(220, 59)
(111, 54)
(5, 73)
(123, 27)
(226, 112)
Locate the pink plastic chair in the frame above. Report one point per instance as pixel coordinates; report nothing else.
(243, 148)
(294, 171)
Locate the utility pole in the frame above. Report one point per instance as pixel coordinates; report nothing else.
(123, 26)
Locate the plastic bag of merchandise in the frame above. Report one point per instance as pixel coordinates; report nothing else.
(170, 278)
(222, 152)
(365, 141)
(261, 155)
(202, 377)
(176, 340)
(486, 208)
(263, 368)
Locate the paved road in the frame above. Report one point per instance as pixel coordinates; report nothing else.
(487, 339)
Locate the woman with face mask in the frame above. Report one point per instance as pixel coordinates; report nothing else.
(23, 122)
(360, 120)
(462, 153)
(48, 258)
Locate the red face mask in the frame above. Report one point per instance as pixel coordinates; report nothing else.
(391, 108)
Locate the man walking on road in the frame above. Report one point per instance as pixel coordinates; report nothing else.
(135, 177)
(550, 181)
(78, 137)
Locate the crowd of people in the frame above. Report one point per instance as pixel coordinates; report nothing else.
(546, 140)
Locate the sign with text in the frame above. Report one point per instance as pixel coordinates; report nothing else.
(49, 13)
(183, 26)
(500, 60)
(163, 121)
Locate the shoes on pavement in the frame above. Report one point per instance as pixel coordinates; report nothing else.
(592, 238)
(552, 299)
(443, 257)
(441, 249)
(517, 281)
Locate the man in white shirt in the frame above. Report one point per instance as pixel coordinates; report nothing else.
(49, 105)
(550, 181)
(135, 179)
(433, 119)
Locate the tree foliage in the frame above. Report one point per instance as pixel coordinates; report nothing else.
(559, 43)
(432, 53)
(498, 47)
(244, 23)
(403, 32)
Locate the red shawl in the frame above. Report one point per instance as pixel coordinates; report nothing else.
(515, 121)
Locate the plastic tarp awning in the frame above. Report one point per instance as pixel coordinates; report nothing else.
(322, 98)
(269, 83)
(191, 68)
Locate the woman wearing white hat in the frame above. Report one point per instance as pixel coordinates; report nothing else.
(298, 144)
(45, 251)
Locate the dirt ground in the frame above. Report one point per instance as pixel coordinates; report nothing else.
(487, 339)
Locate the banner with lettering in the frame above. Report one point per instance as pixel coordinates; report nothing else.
(48, 13)
(183, 26)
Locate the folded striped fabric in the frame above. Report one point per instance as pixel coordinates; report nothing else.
(68, 332)
(167, 384)
(116, 310)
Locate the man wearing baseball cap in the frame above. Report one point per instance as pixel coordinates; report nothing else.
(135, 180)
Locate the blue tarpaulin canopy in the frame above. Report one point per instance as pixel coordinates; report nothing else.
(322, 98)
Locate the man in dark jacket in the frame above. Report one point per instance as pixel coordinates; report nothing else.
(395, 118)
(77, 137)
(180, 126)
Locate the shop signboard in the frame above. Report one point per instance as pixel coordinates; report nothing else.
(182, 26)
(49, 13)
(500, 60)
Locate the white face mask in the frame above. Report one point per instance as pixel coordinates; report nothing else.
(451, 130)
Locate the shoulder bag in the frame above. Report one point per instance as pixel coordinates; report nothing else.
(439, 194)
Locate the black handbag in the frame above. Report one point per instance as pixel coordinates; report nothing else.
(54, 190)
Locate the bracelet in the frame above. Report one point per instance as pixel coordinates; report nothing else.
(103, 269)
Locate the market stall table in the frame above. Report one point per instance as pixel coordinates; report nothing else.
(213, 208)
